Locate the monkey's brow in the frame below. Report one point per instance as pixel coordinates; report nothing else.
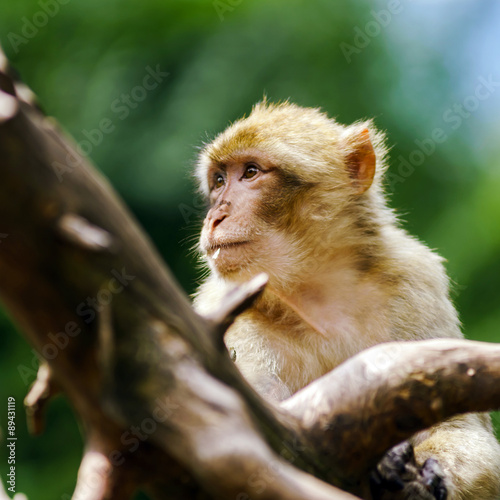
(218, 165)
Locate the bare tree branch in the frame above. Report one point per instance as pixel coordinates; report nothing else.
(163, 407)
(392, 391)
(122, 341)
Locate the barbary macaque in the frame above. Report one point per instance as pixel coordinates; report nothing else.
(300, 197)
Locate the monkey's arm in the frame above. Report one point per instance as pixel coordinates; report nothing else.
(468, 453)
(455, 460)
(423, 381)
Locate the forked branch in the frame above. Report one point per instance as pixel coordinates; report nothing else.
(163, 407)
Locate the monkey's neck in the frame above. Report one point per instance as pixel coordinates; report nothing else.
(337, 299)
(301, 313)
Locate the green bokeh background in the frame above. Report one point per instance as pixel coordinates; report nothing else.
(411, 70)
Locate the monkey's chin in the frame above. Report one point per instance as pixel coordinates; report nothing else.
(230, 260)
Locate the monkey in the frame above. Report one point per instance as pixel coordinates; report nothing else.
(299, 196)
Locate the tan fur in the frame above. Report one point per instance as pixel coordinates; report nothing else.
(343, 275)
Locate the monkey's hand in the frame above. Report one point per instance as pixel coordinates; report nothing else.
(398, 477)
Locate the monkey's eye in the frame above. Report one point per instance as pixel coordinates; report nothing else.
(218, 181)
(250, 171)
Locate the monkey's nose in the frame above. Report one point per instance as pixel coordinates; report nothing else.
(217, 220)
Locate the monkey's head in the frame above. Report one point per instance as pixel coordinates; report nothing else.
(281, 185)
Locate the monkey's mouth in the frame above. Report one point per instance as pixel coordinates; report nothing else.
(215, 250)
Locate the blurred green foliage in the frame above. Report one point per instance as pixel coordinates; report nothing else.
(413, 66)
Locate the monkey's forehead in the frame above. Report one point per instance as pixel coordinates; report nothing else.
(271, 125)
(303, 141)
(281, 123)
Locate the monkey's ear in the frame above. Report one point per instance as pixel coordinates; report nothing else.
(361, 162)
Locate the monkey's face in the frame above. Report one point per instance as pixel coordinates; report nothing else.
(283, 186)
(240, 234)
